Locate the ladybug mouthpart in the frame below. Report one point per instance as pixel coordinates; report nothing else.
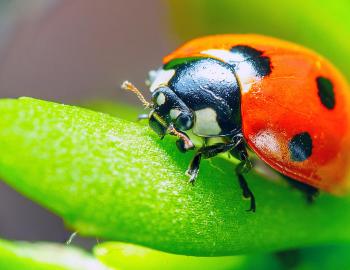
(188, 144)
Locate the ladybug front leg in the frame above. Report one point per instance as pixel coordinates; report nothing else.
(193, 169)
(243, 167)
(247, 193)
(206, 152)
(142, 116)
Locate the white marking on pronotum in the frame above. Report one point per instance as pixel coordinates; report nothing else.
(206, 122)
(246, 73)
(174, 113)
(162, 77)
(151, 76)
(227, 56)
(160, 99)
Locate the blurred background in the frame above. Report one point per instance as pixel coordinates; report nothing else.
(80, 51)
(70, 52)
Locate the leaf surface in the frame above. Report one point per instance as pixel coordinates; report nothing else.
(115, 179)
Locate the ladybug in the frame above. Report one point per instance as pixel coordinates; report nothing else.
(255, 95)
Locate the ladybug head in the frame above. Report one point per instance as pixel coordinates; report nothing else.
(170, 109)
(169, 113)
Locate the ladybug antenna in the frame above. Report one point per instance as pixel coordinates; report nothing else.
(130, 87)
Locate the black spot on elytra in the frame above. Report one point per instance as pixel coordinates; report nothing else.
(261, 63)
(326, 92)
(300, 146)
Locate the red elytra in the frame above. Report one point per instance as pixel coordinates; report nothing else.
(287, 102)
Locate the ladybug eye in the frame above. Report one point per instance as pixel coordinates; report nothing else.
(183, 121)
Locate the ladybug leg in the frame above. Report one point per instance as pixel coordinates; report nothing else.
(245, 166)
(310, 192)
(206, 152)
(193, 169)
(142, 116)
(247, 193)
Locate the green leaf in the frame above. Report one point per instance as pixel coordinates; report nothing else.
(45, 256)
(117, 180)
(180, 61)
(127, 256)
(120, 110)
(324, 257)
